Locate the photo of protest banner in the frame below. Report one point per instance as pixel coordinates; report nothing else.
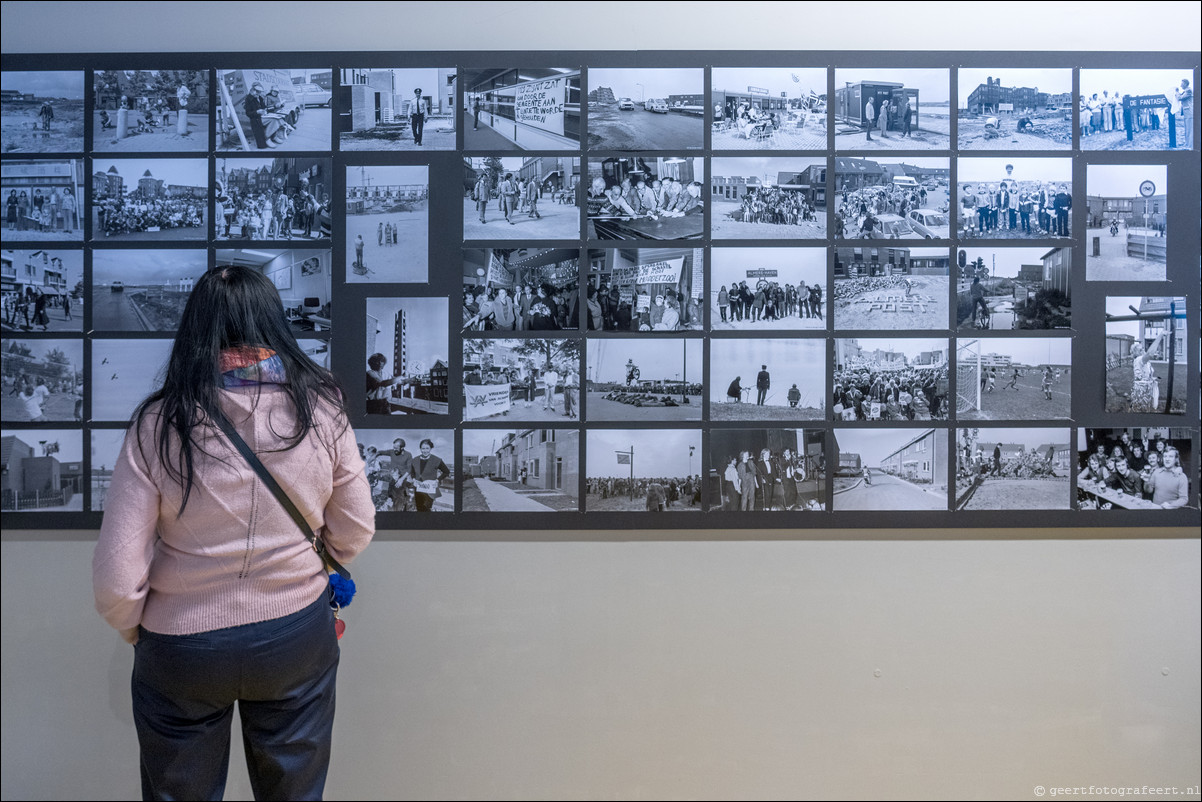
(1136, 109)
(284, 198)
(150, 111)
(388, 224)
(773, 470)
(43, 200)
(301, 276)
(641, 378)
(646, 109)
(144, 289)
(265, 109)
(521, 197)
(408, 342)
(43, 291)
(899, 379)
(648, 289)
(882, 286)
(521, 470)
(782, 197)
(1007, 289)
(409, 470)
(43, 380)
(1135, 468)
(1146, 344)
(124, 373)
(768, 108)
(526, 108)
(396, 109)
(889, 469)
(632, 197)
(1015, 109)
(521, 289)
(106, 447)
(893, 198)
(1013, 469)
(1126, 237)
(892, 109)
(1014, 197)
(43, 470)
(521, 379)
(643, 470)
(767, 379)
(1009, 378)
(149, 200)
(767, 289)
(42, 111)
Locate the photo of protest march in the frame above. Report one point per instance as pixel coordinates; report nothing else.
(396, 109)
(106, 447)
(1146, 341)
(409, 470)
(1015, 109)
(42, 291)
(43, 380)
(1009, 378)
(521, 470)
(388, 224)
(645, 289)
(43, 200)
(889, 469)
(768, 108)
(124, 372)
(522, 289)
(145, 289)
(780, 197)
(767, 379)
(1136, 468)
(283, 198)
(43, 470)
(900, 379)
(903, 198)
(149, 200)
(1136, 109)
(150, 111)
(640, 378)
(643, 470)
(408, 372)
(1126, 238)
(892, 109)
(878, 286)
(1013, 288)
(1014, 197)
(631, 197)
(41, 111)
(1013, 469)
(521, 379)
(766, 469)
(265, 109)
(521, 197)
(767, 289)
(302, 278)
(646, 109)
(526, 108)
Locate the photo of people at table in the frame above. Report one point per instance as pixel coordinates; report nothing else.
(1137, 468)
(768, 108)
(636, 197)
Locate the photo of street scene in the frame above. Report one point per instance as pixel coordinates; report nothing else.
(645, 289)
(1015, 108)
(1136, 109)
(899, 379)
(150, 111)
(766, 469)
(643, 470)
(409, 470)
(124, 373)
(43, 200)
(396, 109)
(646, 109)
(643, 378)
(43, 470)
(1011, 289)
(302, 278)
(43, 380)
(782, 197)
(630, 197)
(767, 379)
(892, 109)
(388, 224)
(1126, 238)
(878, 286)
(145, 289)
(521, 470)
(43, 291)
(106, 447)
(262, 109)
(521, 379)
(902, 198)
(768, 108)
(522, 289)
(407, 347)
(521, 197)
(149, 200)
(1009, 378)
(41, 112)
(1014, 197)
(526, 108)
(889, 469)
(1146, 341)
(767, 289)
(1136, 468)
(1013, 469)
(273, 199)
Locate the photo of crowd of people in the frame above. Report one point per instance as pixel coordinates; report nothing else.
(1145, 357)
(520, 197)
(409, 470)
(781, 197)
(145, 200)
(1013, 469)
(1011, 378)
(273, 199)
(1014, 198)
(907, 109)
(43, 380)
(630, 197)
(521, 470)
(906, 198)
(766, 470)
(643, 470)
(1136, 109)
(397, 109)
(150, 111)
(1127, 223)
(407, 348)
(43, 199)
(768, 108)
(124, 372)
(646, 109)
(523, 289)
(1014, 108)
(43, 291)
(387, 224)
(767, 289)
(143, 289)
(43, 470)
(42, 111)
(767, 379)
(901, 379)
(889, 469)
(895, 287)
(1141, 468)
(648, 289)
(521, 379)
(267, 109)
(639, 378)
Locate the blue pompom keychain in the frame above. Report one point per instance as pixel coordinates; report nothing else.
(342, 590)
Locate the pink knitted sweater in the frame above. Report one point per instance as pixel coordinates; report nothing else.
(234, 557)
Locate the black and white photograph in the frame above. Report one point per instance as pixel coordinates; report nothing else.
(1019, 108)
(43, 291)
(521, 289)
(641, 378)
(1134, 468)
(1014, 197)
(124, 372)
(106, 447)
(780, 197)
(767, 289)
(889, 469)
(150, 111)
(149, 200)
(43, 380)
(892, 109)
(316, 349)
(898, 379)
(645, 289)
(521, 197)
(409, 470)
(1013, 289)
(646, 109)
(1013, 469)
(408, 343)
(43, 470)
(1136, 109)
(766, 470)
(388, 224)
(43, 199)
(521, 108)
(891, 287)
(768, 108)
(41, 111)
(524, 379)
(1011, 378)
(654, 198)
(144, 289)
(520, 470)
(643, 470)
(767, 379)
(1126, 237)
(396, 109)
(896, 198)
(264, 109)
(302, 277)
(1146, 354)
(282, 198)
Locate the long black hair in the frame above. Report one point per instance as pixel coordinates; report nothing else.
(230, 306)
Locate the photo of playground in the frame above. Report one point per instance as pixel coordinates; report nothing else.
(283, 198)
(1136, 109)
(766, 470)
(521, 197)
(1013, 288)
(1014, 378)
(762, 108)
(396, 109)
(889, 469)
(899, 379)
(144, 289)
(890, 287)
(1146, 354)
(408, 342)
(645, 289)
(388, 224)
(630, 197)
(1136, 468)
(263, 109)
(43, 380)
(303, 279)
(528, 108)
(522, 289)
(1013, 469)
(41, 111)
(892, 109)
(41, 291)
(643, 470)
(1014, 197)
(646, 109)
(1015, 109)
(643, 378)
(150, 111)
(901, 198)
(767, 379)
(409, 470)
(124, 372)
(521, 470)
(781, 197)
(767, 289)
(43, 200)
(43, 470)
(1126, 237)
(521, 379)
(150, 200)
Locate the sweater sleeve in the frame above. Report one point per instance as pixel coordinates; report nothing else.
(350, 515)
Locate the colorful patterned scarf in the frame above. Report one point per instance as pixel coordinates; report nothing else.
(246, 366)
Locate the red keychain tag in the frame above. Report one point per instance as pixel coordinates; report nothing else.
(339, 627)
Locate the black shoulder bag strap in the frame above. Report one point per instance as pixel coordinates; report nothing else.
(281, 496)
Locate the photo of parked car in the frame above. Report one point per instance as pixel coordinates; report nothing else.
(929, 223)
(312, 95)
(656, 104)
(625, 104)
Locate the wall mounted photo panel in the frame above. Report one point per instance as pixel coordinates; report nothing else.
(387, 224)
(1147, 342)
(262, 109)
(149, 200)
(1006, 288)
(892, 198)
(409, 470)
(144, 289)
(150, 111)
(1136, 109)
(647, 289)
(520, 198)
(646, 109)
(43, 199)
(1135, 468)
(527, 379)
(774, 470)
(1014, 197)
(43, 471)
(643, 470)
(282, 198)
(1013, 469)
(900, 379)
(43, 380)
(1126, 236)
(1016, 108)
(46, 292)
(521, 470)
(768, 108)
(779, 197)
(767, 289)
(889, 469)
(408, 372)
(892, 109)
(42, 111)
(631, 197)
(521, 108)
(396, 109)
(520, 289)
(767, 379)
(883, 286)
(124, 372)
(643, 379)
(1011, 378)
